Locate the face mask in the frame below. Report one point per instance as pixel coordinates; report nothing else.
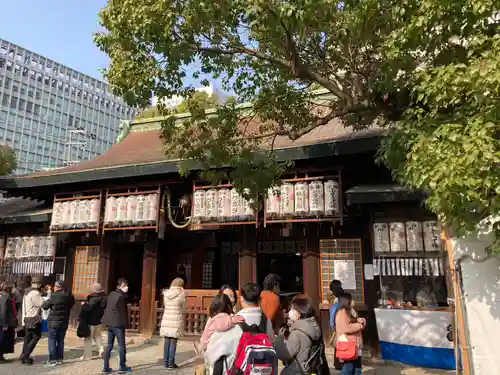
(125, 289)
(293, 315)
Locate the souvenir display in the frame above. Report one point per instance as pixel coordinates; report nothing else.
(224, 205)
(332, 206)
(273, 202)
(381, 237)
(199, 208)
(301, 199)
(432, 241)
(316, 198)
(397, 236)
(287, 200)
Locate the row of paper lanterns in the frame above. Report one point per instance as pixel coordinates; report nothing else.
(28, 247)
(119, 211)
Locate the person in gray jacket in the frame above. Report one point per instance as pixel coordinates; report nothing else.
(300, 345)
(31, 319)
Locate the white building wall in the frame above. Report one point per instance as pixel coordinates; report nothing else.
(481, 288)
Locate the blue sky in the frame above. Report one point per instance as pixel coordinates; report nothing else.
(58, 29)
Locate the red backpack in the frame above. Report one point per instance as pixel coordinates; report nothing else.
(255, 354)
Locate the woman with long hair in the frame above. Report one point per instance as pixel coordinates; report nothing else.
(301, 350)
(349, 328)
(229, 291)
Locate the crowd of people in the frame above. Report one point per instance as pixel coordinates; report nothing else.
(247, 332)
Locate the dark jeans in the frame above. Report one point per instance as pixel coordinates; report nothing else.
(169, 349)
(31, 338)
(56, 343)
(2, 335)
(352, 367)
(119, 334)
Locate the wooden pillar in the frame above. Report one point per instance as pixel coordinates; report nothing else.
(148, 289)
(104, 264)
(311, 267)
(247, 258)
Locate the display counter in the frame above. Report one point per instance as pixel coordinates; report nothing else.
(417, 336)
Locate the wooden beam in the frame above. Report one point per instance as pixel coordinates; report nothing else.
(311, 267)
(247, 258)
(458, 307)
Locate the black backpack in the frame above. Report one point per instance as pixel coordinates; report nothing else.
(318, 364)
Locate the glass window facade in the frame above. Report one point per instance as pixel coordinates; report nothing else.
(51, 115)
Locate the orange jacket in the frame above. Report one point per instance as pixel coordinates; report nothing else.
(271, 306)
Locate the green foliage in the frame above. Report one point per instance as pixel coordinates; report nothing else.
(428, 70)
(149, 112)
(199, 100)
(8, 160)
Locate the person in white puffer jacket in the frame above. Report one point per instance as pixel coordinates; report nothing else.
(172, 323)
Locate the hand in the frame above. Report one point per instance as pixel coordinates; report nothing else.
(362, 321)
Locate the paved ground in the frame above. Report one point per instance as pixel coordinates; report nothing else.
(146, 358)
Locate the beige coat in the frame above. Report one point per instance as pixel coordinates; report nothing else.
(172, 323)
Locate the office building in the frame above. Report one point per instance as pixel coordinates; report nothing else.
(52, 115)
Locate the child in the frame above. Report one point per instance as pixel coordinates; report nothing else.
(220, 320)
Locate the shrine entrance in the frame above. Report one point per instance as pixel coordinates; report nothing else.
(126, 262)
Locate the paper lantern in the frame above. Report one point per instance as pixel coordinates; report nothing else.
(432, 238)
(74, 214)
(121, 211)
(95, 213)
(141, 210)
(236, 205)
(301, 199)
(248, 211)
(83, 213)
(199, 206)
(397, 236)
(131, 210)
(56, 216)
(211, 205)
(381, 242)
(414, 240)
(287, 200)
(316, 198)
(273, 202)
(153, 204)
(332, 204)
(111, 211)
(65, 215)
(224, 205)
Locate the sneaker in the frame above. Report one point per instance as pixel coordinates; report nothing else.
(107, 371)
(27, 361)
(125, 370)
(58, 363)
(49, 364)
(173, 367)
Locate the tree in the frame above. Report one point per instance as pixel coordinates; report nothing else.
(8, 160)
(198, 101)
(426, 70)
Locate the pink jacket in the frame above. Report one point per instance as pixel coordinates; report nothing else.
(220, 323)
(353, 331)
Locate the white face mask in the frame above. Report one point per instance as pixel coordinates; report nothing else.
(293, 315)
(125, 289)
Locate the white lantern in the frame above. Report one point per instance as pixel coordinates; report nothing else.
(224, 204)
(56, 216)
(287, 200)
(211, 205)
(301, 199)
(273, 202)
(84, 213)
(332, 204)
(236, 205)
(397, 236)
(121, 211)
(26, 247)
(141, 210)
(432, 240)
(10, 248)
(18, 249)
(153, 203)
(131, 209)
(111, 211)
(74, 213)
(42, 249)
(316, 198)
(248, 211)
(381, 237)
(95, 213)
(66, 215)
(414, 240)
(199, 207)
(51, 246)
(37, 243)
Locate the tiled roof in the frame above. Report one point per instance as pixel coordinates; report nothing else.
(145, 147)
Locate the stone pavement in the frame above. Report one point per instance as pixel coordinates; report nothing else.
(145, 357)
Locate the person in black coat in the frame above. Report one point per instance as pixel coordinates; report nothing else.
(8, 319)
(60, 304)
(115, 319)
(92, 313)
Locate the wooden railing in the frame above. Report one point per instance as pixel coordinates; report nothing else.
(194, 319)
